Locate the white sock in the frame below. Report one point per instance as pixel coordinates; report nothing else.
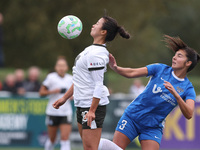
(105, 144)
(65, 145)
(48, 145)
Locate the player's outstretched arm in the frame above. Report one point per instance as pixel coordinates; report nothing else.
(63, 99)
(127, 72)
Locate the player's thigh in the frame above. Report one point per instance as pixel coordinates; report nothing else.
(65, 130)
(52, 126)
(121, 139)
(91, 138)
(149, 145)
(52, 131)
(99, 116)
(151, 136)
(80, 129)
(126, 131)
(65, 126)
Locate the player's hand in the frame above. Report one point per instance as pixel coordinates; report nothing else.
(170, 87)
(90, 116)
(112, 62)
(59, 103)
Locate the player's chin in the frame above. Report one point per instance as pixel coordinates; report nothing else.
(91, 34)
(173, 66)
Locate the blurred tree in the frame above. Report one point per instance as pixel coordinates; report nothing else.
(1, 41)
(31, 38)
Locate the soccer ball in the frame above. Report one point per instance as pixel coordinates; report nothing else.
(70, 27)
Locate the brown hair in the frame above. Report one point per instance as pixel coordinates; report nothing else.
(175, 43)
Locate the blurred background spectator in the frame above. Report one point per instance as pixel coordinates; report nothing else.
(1, 42)
(32, 83)
(20, 79)
(137, 87)
(10, 84)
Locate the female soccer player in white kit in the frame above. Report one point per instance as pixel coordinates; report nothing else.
(168, 87)
(90, 95)
(55, 85)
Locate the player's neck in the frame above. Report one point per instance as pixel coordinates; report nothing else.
(180, 73)
(99, 41)
(61, 74)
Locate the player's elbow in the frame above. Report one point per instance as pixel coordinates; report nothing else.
(188, 116)
(42, 93)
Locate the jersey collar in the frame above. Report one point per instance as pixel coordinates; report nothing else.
(104, 45)
(180, 79)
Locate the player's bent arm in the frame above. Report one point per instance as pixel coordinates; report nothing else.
(69, 92)
(97, 76)
(131, 72)
(187, 108)
(91, 114)
(127, 72)
(63, 99)
(44, 91)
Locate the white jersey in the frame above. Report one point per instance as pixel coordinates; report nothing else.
(54, 81)
(94, 57)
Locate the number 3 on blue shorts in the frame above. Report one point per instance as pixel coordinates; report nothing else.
(122, 126)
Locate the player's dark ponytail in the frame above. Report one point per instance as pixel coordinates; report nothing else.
(113, 28)
(123, 33)
(198, 57)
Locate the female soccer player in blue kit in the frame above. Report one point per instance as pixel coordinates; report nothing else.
(167, 88)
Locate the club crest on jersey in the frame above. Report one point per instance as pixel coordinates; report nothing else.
(96, 64)
(179, 90)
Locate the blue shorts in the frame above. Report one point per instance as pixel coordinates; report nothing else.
(132, 129)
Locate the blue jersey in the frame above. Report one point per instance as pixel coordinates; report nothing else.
(151, 107)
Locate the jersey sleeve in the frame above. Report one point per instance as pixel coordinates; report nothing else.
(98, 76)
(97, 61)
(153, 69)
(190, 93)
